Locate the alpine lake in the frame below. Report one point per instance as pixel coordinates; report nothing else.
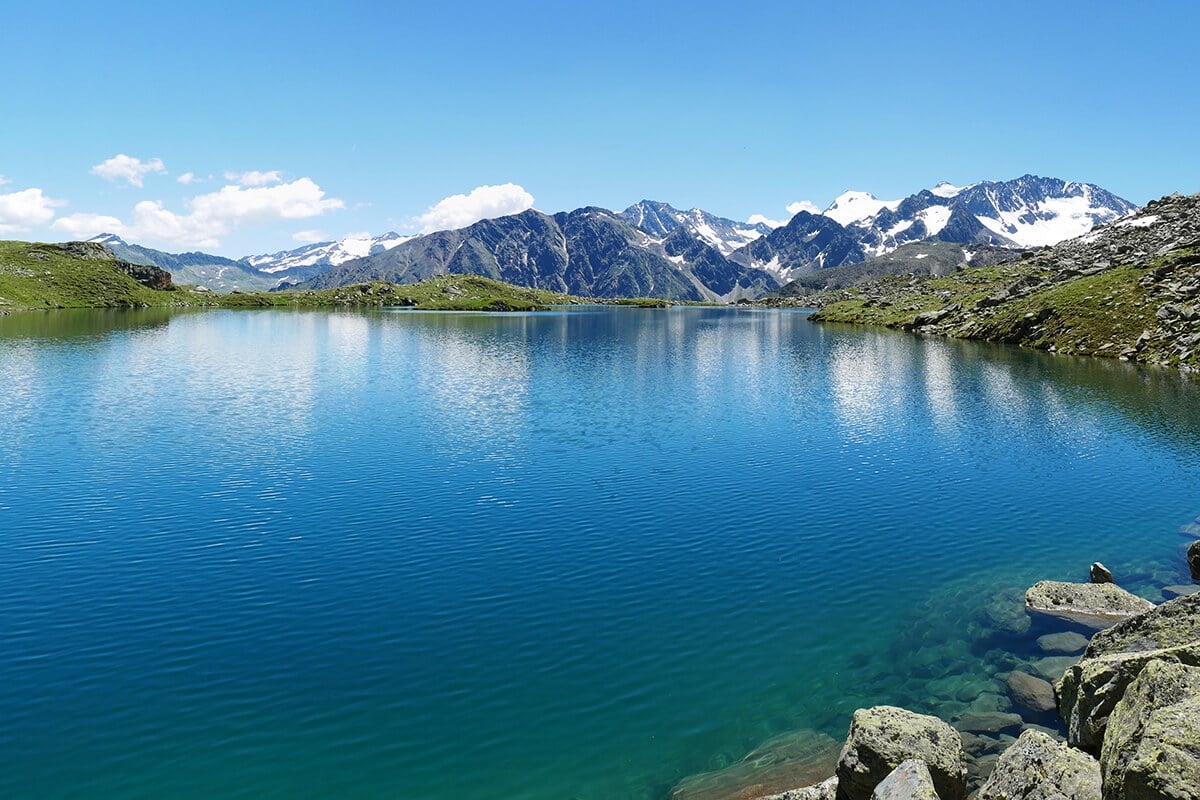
(578, 554)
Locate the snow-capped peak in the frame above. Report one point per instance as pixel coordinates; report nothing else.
(852, 206)
(326, 253)
(107, 239)
(948, 190)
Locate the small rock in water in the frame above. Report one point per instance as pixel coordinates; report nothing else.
(1100, 573)
(1193, 558)
(1006, 612)
(1052, 668)
(1029, 692)
(990, 722)
(1179, 590)
(1066, 643)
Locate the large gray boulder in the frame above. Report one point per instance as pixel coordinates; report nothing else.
(1036, 767)
(884, 737)
(1090, 690)
(909, 781)
(1152, 747)
(1094, 605)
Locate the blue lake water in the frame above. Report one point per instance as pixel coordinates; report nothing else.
(577, 554)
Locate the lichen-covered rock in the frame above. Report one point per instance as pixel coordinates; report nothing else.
(1038, 768)
(1100, 573)
(1065, 643)
(826, 790)
(1094, 605)
(909, 781)
(883, 737)
(1152, 747)
(1089, 691)
(1193, 558)
(1029, 692)
(798, 758)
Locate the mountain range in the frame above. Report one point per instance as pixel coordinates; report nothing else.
(652, 249)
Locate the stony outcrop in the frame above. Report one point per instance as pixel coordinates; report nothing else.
(1152, 747)
(1038, 768)
(884, 737)
(826, 790)
(1029, 692)
(1090, 690)
(793, 759)
(909, 781)
(1094, 605)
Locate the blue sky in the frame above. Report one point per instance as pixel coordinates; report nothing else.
(311, 120)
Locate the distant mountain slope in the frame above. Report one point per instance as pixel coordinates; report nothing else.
(303, 263)
(660, 219)
(916, 258)
(201, 269)
(1128, 289)
(590, 251)
(807, 244)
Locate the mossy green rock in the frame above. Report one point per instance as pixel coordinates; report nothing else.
(884, 737)
(1090, 690)
(1036, 767)
(1152, 747)
(1096, 605)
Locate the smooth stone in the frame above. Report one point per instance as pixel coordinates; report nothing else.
(884, 737)
(909, 781)
(1053, 667)
(989, 701)
(1036, 767)
(990, 722)
(1100, 573)
(1090, 690)
(1006, 612)
(1093, 605)
(798, 758)
(1180, 590)
(1067, 642)
(1032, 693)
(1152, 746)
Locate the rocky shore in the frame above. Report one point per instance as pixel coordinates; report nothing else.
(1108, 708)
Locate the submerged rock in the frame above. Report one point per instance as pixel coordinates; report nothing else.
(1029, 692)
(991, 722)
(884, 737)
(1100, 574)
(1067, 642)
(909, 781)
(1179, 590)
(1094, 605)
(1005, 612)
(1152, 747)
(1090, 690)
(795, 759)
(1038, 768)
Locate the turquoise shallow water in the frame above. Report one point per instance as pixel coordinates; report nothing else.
(578, 554)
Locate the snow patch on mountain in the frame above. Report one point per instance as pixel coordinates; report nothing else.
(1049, 221)
(851, 207)
(329, 254)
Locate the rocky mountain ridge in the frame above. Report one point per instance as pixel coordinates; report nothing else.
(1128, 289)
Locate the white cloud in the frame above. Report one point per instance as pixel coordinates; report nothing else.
(792, 208)
(187, 178)
(4, 180)
(803, 205)
(309, 237)
(483, 202)
(22, 210)
(210, 216)
(255, 178)
(126, 168)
